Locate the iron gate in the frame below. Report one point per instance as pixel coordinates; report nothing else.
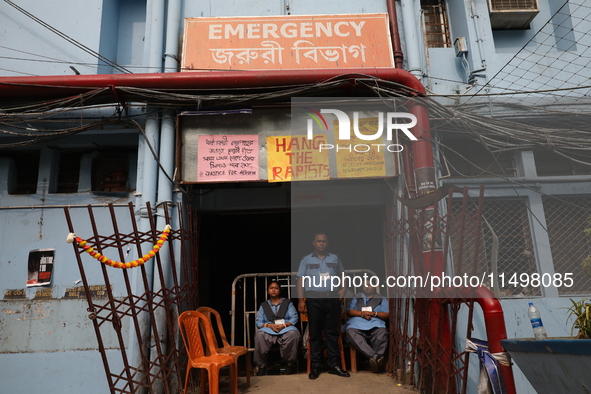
(427, 344)
(143, 313)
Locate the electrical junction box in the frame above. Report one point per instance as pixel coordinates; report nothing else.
(460, 46)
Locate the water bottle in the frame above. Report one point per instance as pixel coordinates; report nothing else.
(536, 322)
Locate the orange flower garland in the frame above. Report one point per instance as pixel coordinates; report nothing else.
(117, 264)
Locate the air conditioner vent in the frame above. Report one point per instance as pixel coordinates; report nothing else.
(505, 5)
(512, 14)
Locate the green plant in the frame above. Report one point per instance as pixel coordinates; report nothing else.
(581, 311)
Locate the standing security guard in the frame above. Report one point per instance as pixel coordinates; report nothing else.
(322, 304)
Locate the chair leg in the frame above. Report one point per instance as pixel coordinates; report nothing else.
(202, 382)
(342, 350)
(187, 376)
(214, 380)
(234, 374)
(353, 355)
(247, 355)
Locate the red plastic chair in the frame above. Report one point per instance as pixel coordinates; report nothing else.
(226, 348)
(190, 324)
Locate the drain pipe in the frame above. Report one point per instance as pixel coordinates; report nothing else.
(148, 170)
(163, 276)
(411, 38)
(394, 33)
(167, 132)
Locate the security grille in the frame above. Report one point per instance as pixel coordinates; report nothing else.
(506, 236)
(566, 219)
(503, 5)
(436, 24)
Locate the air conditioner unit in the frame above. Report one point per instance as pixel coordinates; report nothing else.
(512, 14)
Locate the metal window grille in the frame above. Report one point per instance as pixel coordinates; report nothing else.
(503, 5)
(566, 220)
(436, 24)
(506, 224)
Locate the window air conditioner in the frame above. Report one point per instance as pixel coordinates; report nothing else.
(512, 14)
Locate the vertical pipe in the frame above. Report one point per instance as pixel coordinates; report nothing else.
(147, 166)
(411, 38)
(395, 34)
(165, 170)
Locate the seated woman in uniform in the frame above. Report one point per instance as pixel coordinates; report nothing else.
(276, 321)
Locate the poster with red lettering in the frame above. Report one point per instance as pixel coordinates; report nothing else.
(287, 42)
(296, 158)
(228, 158)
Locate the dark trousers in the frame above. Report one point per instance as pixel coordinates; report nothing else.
(324, 315)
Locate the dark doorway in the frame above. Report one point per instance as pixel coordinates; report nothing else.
(232, 244)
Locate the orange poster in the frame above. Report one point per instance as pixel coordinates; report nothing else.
(296, 158)
(358, 158)
(287, 42)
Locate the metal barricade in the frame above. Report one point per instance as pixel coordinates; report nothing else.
(249, 290)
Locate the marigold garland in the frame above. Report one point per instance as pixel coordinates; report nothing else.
(83, 244)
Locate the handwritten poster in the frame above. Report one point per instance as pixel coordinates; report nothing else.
(287, 42)
(361, 159)
(296, 158)
(223, 158)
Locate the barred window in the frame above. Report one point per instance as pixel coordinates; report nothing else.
(566, 219)
(436, 25)
(508, 221)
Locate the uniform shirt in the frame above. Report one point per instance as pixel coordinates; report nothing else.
(359, 322)
(291, 316)
(312, 266)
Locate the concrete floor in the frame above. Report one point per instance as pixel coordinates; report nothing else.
(358, 383)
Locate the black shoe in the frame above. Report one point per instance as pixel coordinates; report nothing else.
(373, 364)
(314, 373)
(290, 369)
(381, 362)
(262, 370)
(336, 370)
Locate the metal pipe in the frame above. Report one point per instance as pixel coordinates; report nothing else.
(395, 33)
(69, 85)
(411, 37)
(495, 328)
(148, 173)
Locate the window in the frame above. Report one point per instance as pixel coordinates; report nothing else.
(549, 163)
(468, 158)
(110, 172)
(566, 220)
(69, 172)
(436, 25)
(27, 171)
(509, 223)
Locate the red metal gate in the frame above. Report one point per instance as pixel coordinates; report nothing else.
(427, 345)
(144, 314)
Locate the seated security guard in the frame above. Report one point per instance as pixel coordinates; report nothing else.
(276, 321)
(368, 312)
